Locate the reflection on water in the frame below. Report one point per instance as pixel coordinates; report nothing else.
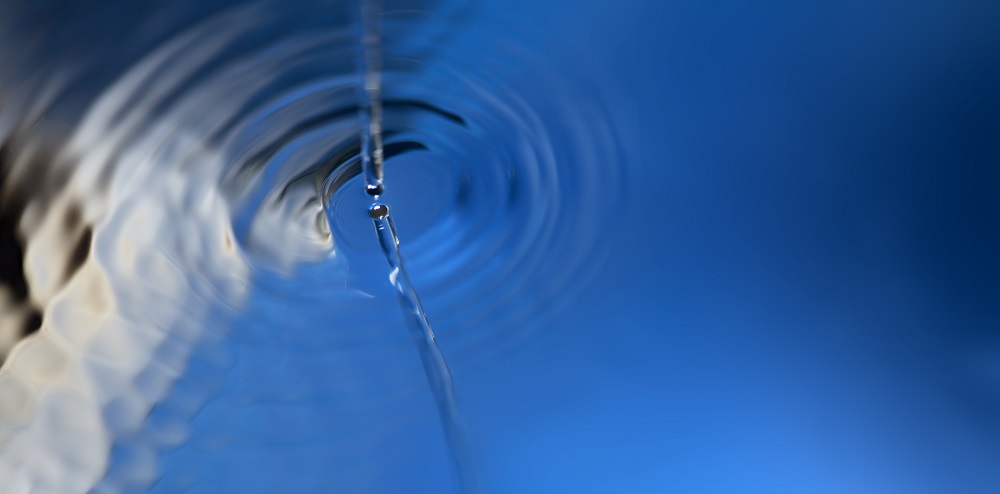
(372, 158)
(797, 293)
(177, 310)
(435, 366)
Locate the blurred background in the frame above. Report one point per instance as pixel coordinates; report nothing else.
(674, 246)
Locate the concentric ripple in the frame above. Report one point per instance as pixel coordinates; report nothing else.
(177, 229)
(499, 208)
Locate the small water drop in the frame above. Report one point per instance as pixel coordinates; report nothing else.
(374, 190)
(378, 211)
(372, 154)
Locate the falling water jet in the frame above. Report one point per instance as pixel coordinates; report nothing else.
(370, 96)
(435, 366)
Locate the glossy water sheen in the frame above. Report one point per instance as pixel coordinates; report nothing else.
(370, 95)
(667, 246)
(372, 162)
(220, 309)
(435, 365)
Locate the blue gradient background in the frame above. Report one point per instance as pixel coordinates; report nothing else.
(800, 293)
(803, 293)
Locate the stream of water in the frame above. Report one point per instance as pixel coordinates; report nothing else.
(372, 160)
(691, 247)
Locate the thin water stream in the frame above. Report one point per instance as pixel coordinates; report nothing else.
(176, 286)
(435, 366)
(370, 97)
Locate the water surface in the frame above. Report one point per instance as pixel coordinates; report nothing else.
(665, 246)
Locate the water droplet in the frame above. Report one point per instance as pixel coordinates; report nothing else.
(372, 154)
(378, 211)
(374, 189)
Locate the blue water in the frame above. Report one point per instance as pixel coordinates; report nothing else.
(701, 247)
(435, 365)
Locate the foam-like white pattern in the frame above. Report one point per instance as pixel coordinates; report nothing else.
(121, 330)
(165, 169)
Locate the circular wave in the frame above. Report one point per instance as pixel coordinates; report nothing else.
(214, 181)
(499, 207)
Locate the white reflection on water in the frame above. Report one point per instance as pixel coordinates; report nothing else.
(197, 170)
